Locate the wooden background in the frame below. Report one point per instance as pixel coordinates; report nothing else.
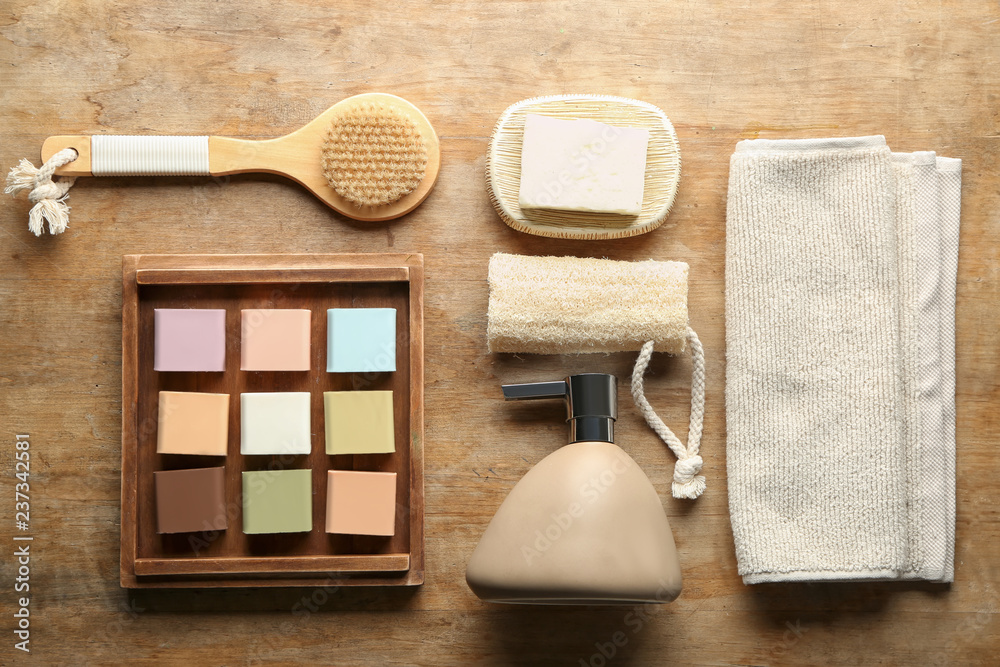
(922, 73)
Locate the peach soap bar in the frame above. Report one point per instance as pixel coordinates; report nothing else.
(190, 500)
(361, 503)
(275, 340)
(189, 339)
(275, 423)
(361, 340)
(193, 423)
(359, 422)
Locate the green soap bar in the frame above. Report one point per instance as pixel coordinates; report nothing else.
(277, 501)
(359, 422)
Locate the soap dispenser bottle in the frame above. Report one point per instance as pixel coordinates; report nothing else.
(585, 525)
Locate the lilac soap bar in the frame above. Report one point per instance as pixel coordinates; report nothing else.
(188, 339)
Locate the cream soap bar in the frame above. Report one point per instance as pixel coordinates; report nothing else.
(582, 165)
(275, 423)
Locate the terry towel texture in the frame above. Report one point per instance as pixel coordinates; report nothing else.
(840, 303)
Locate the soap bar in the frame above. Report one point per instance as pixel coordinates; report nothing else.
(190, 500)
(189, 339)
(275, 423)
(359, 422)
(361, 340)
(193, 423)
(277, 501)
(275, 340)
(361, 503)
(582, 165)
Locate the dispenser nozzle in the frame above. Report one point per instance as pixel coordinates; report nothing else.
(591, 403)
(532, 390)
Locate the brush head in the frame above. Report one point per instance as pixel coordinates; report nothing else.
(373, 154)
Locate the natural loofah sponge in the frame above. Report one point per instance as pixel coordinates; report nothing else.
(373, 154)
(559, 305)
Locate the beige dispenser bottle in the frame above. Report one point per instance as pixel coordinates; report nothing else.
(585, 525)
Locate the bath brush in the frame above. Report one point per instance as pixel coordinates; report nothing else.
(370, 157)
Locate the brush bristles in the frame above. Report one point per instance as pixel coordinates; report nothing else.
(373, 154)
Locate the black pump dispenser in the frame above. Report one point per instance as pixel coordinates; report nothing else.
(591, 403)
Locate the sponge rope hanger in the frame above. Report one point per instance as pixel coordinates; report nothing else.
(687, 482)
(370, 157)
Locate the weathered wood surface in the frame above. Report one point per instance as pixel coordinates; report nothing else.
(924, 74)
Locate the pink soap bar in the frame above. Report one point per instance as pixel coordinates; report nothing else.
(275, 340)
(187, 339)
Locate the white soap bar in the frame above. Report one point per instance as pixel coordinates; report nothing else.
(582, 165)
(275, 423)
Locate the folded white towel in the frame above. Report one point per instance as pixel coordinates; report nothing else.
(837, 398)
(950, 206)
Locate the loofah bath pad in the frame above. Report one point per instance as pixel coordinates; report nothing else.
(560, 305)
(373, 154)
(662, 172)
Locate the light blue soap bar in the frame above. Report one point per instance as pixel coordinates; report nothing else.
(360, 340)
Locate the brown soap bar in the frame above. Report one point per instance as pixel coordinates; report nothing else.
(190, 500)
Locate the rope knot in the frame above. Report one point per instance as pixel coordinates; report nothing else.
(47, 190)
(686, 469)
(48, 196)
(687, 482)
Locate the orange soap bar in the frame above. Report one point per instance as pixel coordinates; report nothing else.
(275, 340)
(193, 423)
(361, 503)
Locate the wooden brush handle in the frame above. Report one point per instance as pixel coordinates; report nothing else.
(296, 156)
(115, 155)
(81, 144)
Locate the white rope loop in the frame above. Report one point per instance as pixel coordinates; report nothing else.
(687, 482)
(48, 196)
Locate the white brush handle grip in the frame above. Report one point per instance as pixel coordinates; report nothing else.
(114, 155)
(117, 155)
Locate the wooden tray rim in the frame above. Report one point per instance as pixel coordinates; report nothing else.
(221, 269)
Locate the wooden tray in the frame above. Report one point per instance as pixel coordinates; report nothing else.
(663, 167)
(233, 282)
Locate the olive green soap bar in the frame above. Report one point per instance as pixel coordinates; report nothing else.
(277, 501)
(359, 422)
